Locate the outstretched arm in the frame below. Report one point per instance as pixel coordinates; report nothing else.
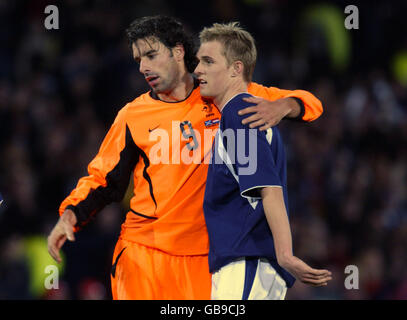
(274, 207)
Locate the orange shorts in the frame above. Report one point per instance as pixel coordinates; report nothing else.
(143, 273)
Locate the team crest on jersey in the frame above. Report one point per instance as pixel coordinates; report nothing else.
(212, 122)
(208, 108)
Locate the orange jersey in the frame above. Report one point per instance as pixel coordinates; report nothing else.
(167, 147)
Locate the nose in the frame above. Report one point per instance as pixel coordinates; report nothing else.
(143, 67)
(198, 69)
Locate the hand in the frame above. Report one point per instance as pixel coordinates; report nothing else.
(63, 230)
(268, 113)
(304, 273)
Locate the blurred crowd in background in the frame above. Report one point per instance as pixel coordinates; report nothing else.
(347, 171)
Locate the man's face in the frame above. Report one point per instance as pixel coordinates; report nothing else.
(157, 64)
(212, 71)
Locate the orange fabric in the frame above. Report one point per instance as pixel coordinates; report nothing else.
(169, 196)
(142, 273)
(313, 107)
(107, 157)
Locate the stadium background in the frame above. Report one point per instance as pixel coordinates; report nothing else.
(61, 89)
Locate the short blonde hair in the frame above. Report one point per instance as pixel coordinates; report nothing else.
(239, 45)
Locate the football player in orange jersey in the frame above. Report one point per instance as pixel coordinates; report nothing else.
(163, 246)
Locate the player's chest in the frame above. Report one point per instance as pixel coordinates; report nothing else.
(186, 126)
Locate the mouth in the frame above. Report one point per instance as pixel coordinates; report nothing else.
(152, 80)
(202, 82)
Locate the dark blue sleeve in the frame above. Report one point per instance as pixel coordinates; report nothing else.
(252, 154)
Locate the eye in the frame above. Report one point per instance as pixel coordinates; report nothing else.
(207, 61)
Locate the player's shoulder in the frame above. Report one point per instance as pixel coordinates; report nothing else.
(136, 103)
(142, 103)
(262, 91)
(230, 116)
(274, 137)
(142, 100)
(149, 99)
(237, 102)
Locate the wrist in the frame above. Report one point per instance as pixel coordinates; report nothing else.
(69, 215)
(293, 107)
(284, 258)
(297, 109)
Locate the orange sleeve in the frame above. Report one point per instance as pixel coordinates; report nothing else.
(312, 106)
(108, 174)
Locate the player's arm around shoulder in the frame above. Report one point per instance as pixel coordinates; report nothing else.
(271, 105)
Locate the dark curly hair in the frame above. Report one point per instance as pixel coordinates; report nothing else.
(167, 30)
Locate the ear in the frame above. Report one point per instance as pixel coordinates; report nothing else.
(237, 68)
(178, 52)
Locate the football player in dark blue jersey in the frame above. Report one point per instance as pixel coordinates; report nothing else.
(245, 203)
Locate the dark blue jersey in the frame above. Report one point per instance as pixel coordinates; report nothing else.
(243, 161)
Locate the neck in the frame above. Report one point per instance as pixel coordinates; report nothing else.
(181, 91)
(236, 88)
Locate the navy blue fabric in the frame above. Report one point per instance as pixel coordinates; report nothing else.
(250, 273)
(235, 228)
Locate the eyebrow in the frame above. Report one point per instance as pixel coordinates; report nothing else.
(206, 58)
(145, 54)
